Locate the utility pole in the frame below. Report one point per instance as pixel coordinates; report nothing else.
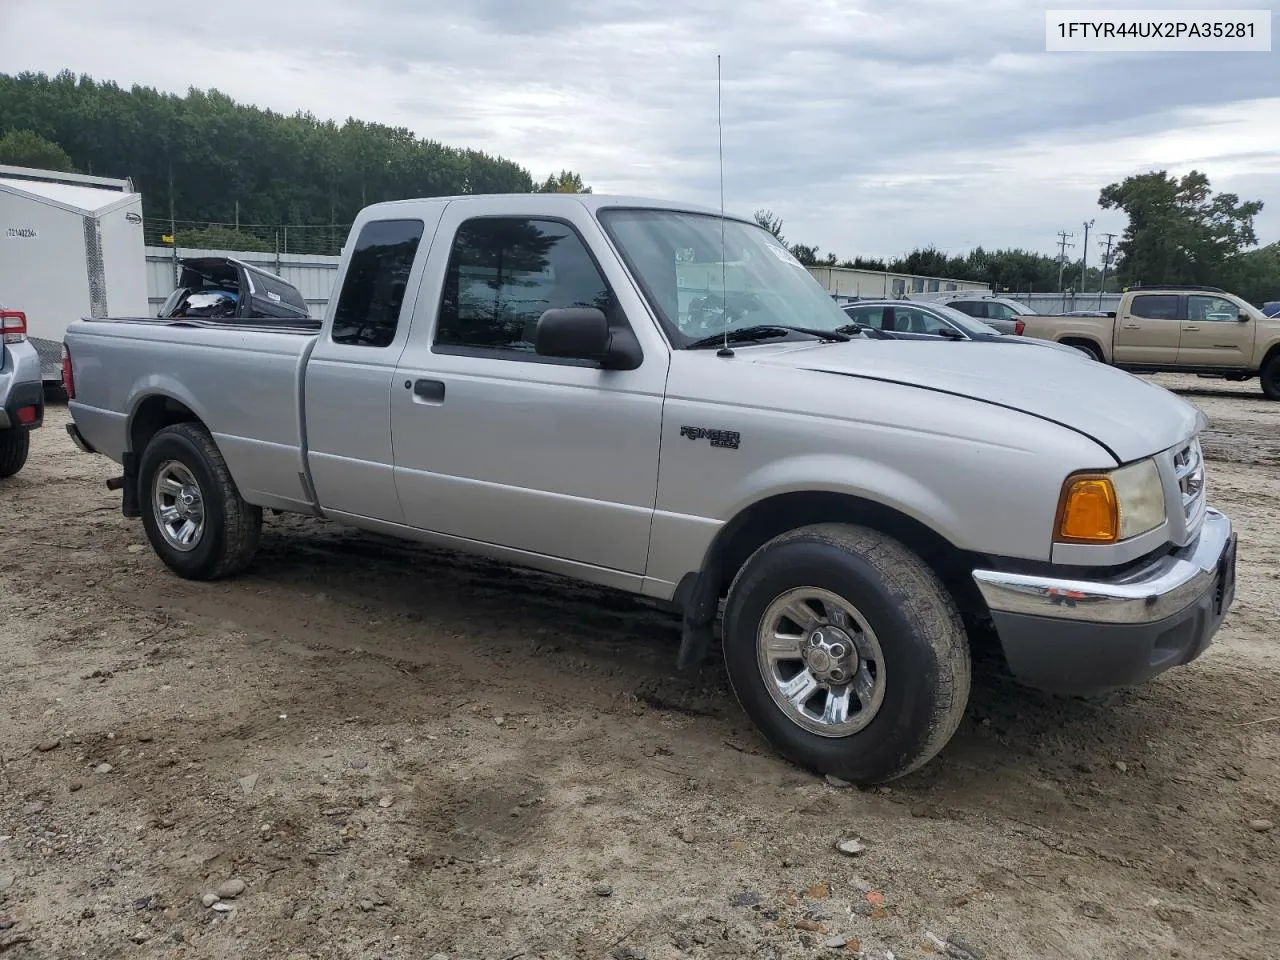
(1106, 263)
(1063, 242)
(1084, 254)
(1064, 239)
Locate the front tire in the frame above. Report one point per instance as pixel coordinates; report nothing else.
(15, 444)
(1270, 375)
(193, 514)
(875, 680)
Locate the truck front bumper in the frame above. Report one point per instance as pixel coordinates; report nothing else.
(1087, 636)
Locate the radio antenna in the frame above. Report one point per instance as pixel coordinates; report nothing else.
(724, 285)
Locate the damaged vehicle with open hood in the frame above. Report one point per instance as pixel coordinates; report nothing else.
(660, 399)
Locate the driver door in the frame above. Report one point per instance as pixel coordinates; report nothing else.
(1213, 335)
(498, 445)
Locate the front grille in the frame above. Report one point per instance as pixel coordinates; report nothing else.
(1188, 468)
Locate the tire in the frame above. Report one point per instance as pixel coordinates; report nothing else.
(1271, 378)
(1086, 348)
(14, 447)
(182, 468)
(915, 695)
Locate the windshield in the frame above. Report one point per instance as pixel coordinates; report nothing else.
(963, 320)
(676, 258)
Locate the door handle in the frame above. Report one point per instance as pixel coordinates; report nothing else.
(432, 391)
(1192, 329)
(1133, 326)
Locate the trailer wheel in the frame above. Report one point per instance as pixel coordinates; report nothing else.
(14, 445)
(847, 651)
(193, 514)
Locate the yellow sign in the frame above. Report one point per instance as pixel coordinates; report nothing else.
(167, 238)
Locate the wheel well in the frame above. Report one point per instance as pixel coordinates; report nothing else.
(1082, 342)
(154, 414)
(1271, 355)
(763, 521)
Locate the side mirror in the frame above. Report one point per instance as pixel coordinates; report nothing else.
(576, 333)
(1243, 317)
(1111, 314)
(582, 333)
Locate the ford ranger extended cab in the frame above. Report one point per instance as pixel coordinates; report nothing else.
(21, 391)
(1189, 329)
(651, 397)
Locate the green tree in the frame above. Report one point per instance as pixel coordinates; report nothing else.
(221, 238)
(770, 222)
(1178, 230)
(563, 182)
(213, 160)
(26, 148)
(1255, 275)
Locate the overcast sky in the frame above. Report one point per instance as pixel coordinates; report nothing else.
(869, 127)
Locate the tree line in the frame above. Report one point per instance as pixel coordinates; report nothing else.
(1179, 231)
(210, 159)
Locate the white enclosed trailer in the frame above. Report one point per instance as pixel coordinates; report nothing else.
(71, 246)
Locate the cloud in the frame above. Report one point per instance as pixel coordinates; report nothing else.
(869, 128)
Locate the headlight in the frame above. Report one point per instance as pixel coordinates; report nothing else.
(1112, 506)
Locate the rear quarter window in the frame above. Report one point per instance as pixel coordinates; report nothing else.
(377, 278)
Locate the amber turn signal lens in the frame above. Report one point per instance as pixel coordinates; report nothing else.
(1089, 513)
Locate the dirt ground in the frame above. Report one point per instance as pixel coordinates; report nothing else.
(400, 753)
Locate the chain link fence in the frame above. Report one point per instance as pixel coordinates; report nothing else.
(273, 238)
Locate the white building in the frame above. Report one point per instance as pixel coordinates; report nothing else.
(70, 246)
(847, 282)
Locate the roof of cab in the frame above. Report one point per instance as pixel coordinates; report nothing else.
(591, 201)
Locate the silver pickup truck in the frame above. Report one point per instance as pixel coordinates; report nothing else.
(651, 397)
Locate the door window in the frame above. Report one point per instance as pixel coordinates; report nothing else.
(973, 308)
(503, 274)
(1211, 310)
(1155, 307)
(368, 310)
(915, 320)
(868, 316)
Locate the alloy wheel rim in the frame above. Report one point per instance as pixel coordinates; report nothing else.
(821, 662)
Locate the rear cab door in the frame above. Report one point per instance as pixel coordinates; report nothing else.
(1148, 329)
(349, 375)
(1213, 333)
(496, 444)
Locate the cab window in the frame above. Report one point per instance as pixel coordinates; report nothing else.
(1211, 310)
(1155, 306)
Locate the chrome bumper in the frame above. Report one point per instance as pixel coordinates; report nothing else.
(1154, 593)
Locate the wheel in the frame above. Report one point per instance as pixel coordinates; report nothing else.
(14, 446)
(194, 516)
(1271, 378)
(1088, 349)
(847, 652)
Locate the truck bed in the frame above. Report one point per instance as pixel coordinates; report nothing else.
(242, 380)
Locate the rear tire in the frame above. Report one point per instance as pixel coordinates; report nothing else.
(194, 516)
(1271, 378)
(876, 715)
(1086, 348)
(15, 444)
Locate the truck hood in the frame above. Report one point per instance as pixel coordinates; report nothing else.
(1131, 417)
